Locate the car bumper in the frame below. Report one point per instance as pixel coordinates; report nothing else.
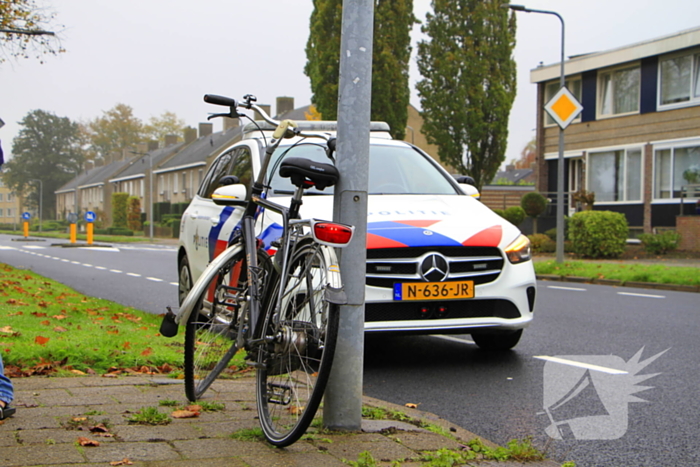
(506, 304)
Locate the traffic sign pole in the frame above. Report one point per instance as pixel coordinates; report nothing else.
(26, 229)
(89, 233)
(89, 218)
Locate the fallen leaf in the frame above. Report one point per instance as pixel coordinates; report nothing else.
(194, 408)
(99, 428)
(295, 409)
(184, 414)
(77, 372)
(411, 406)
(60, 329)
(39, 315)
(43, 304)
(124, 461)
(83, 441)
(147, 352)
(41, 340)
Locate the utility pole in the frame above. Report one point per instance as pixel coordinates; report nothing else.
(41, 201)
(343, 400)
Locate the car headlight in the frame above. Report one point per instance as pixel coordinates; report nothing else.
(519, 250)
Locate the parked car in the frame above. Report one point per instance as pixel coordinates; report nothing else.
(438, 260)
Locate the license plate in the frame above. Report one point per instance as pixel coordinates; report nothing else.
(433, 290)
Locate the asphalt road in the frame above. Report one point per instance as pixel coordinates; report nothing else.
(142, 276)
(500, 396)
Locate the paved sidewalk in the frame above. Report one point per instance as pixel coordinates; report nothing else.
(43, 431)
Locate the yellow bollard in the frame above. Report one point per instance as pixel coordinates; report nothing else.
(89, 233)
(26, 229)
(73, 233)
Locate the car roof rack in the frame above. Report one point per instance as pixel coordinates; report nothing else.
(311, 125)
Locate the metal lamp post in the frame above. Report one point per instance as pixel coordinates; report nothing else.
(41, 200)
(150, 189)
(560, 160)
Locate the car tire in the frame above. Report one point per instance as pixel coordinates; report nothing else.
(184, 279)
(497, 341)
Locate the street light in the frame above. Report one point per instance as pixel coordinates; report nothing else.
(560, 160)
(41, 196)
(150, 189)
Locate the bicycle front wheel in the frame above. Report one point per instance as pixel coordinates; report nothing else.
(294, 364)
(211, 331)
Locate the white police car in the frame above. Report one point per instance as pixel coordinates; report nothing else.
(438, 261)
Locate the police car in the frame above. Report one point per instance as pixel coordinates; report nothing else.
(438, 260)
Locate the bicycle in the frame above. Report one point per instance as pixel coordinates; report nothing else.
(283, 310)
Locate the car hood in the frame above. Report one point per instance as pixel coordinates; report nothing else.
(400, 221)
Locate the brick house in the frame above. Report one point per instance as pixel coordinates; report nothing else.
(639, 131)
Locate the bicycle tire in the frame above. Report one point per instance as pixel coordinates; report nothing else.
(293, 369)
(212, 328)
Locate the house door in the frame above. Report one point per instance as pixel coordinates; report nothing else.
(575, 180)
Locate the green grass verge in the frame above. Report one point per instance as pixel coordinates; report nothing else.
(46, 327)
(659, 274)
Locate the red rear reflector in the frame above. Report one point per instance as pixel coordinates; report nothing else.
(333, 233)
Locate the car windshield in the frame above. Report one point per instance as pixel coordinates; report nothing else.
(393, 170)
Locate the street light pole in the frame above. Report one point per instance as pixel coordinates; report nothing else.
(150, 189)
(560, 160)
(41, 200)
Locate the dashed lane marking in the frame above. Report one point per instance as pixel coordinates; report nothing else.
(641, 295)
(558, 287)
(133, 274)
(563, 361)
(154, 279)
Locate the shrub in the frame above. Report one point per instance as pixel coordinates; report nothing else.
(119, 201)
(133, 217)
(541, 243)
(500, 212)
(662, 243)
(515, 215)
(552, 233)
(598, 234)
(533, 204)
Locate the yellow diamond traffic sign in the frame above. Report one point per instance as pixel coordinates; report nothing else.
(563, 107)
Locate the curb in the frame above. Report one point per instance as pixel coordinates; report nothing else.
(618, 283)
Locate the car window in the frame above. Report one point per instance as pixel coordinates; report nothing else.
(216, 171)
(392, 170)
(242, 166)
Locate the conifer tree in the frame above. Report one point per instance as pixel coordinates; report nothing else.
(393, 20)
(468, 83)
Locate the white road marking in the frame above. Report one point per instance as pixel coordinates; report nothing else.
(641, 295)
(75, 262)
(578, 289)
(65, 260)
(99, 248)
(115, 270)
(453, 339)
(34, 247)
(133, 274)
(563, 361)
(3, 247)
(174, 283)
(87, 265)
(154, 279)
(100, 268)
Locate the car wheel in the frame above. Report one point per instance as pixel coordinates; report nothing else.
(497, 341)
(184, 284)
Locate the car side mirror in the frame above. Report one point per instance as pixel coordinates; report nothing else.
(229, 180)
(465, 179)
(470, 190)
(230, 195)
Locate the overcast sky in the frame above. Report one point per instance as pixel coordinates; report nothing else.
(156, 55)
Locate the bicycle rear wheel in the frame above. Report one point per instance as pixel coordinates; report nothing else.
(212, 329)
(293, 367)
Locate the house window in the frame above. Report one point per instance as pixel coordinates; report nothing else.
(9, 197)
(1, 213)
(174, 177)
(184, 182)
(573, 85)
(619, 91)
(679, 79)
(673, 168)
(0, 197)
(9, 212)
(616, 175)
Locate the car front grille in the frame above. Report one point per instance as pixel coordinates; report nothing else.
(407, 311)
(386, 266)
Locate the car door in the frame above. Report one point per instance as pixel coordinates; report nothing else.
(210, 225)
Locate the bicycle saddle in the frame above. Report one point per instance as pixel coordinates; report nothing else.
(306, 173)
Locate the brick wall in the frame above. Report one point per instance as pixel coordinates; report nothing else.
(689, 228)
